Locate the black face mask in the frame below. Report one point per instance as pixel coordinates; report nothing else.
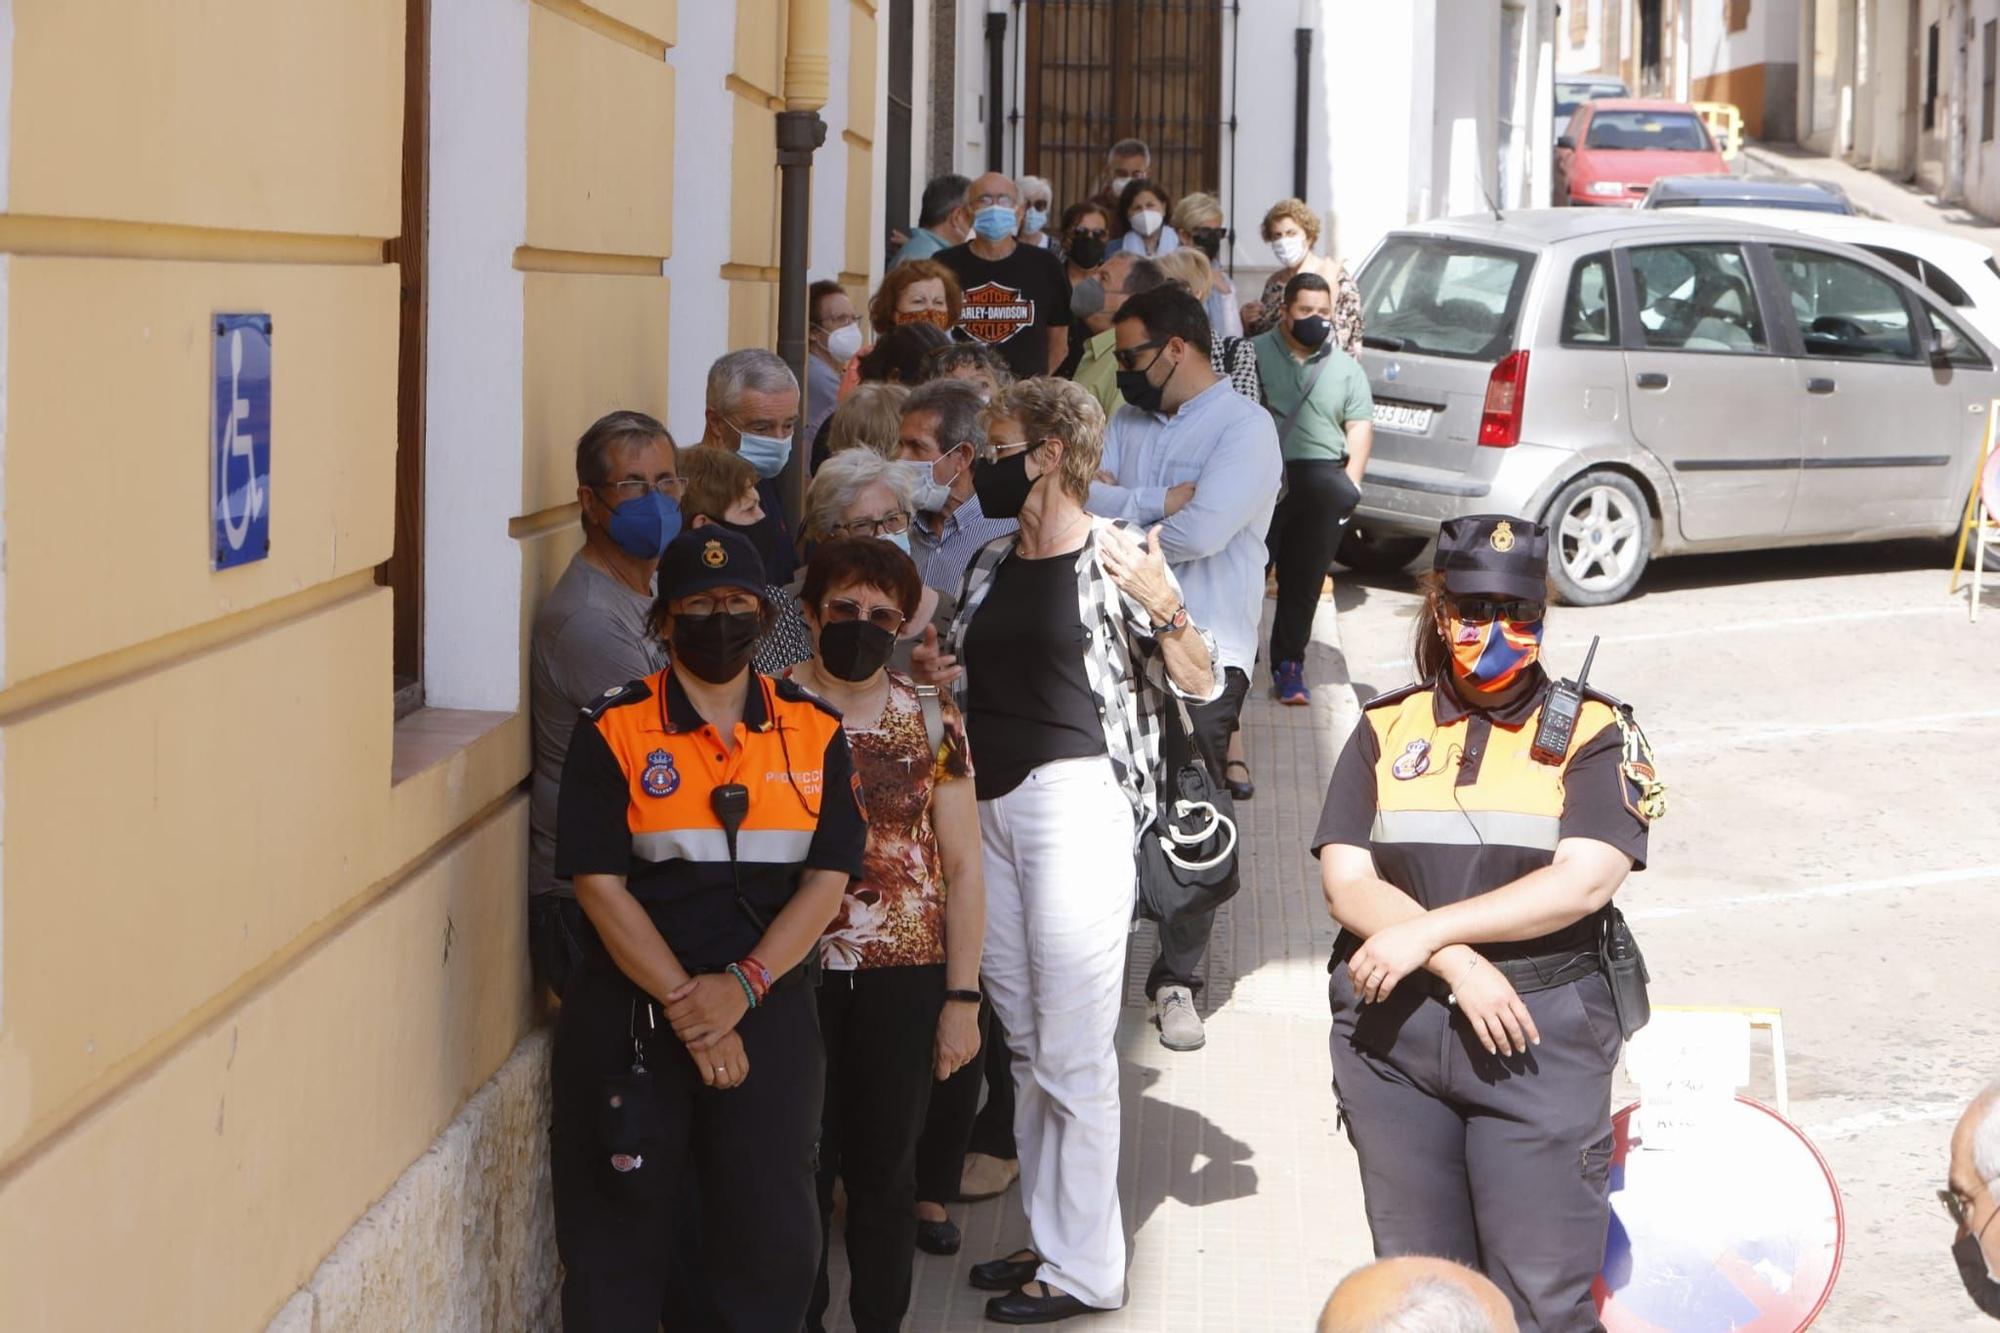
(854, 649)
(1086, 251)
(717, 647)
(1311, 331)
(1141, 392)
(1209, 242)
(1003, 486)
(1975, 1273)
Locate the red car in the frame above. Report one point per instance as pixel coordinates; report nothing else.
(1616, 148)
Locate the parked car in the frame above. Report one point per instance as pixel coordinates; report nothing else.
(1648, 383)
(1616, 148)
(1962, 274)
(1745, 192)
(1574, 90)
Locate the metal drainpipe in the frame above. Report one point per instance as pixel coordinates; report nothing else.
(996, 92)
(1302, 46)
(800, 134)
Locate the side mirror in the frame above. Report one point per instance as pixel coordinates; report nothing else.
(1566, 142)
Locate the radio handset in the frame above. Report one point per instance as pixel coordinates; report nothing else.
(1559, 712)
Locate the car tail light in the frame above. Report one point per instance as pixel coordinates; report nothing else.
(1506, 393)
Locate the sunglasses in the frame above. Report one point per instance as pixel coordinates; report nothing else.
(1098, 232)
(1483, 610)
(839, 609)
(1128, 357)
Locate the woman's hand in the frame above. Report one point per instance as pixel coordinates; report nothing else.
(706, 1009)
(724, 1065)
(1389, 955)
(930, 665)
(1141, 572)
(957, 1038)
(1498, 1017)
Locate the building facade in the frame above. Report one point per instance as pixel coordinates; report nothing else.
(1744, 52)
(268, 1053)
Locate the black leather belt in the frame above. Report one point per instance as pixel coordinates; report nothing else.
(1525, 975)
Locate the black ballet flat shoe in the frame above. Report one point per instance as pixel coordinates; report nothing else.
(937, 1237)
(1239, 791)
(1018, 1307)
(1006, 1274)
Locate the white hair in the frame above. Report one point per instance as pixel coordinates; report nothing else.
(1434, 1305)
(830, 498)
(750, 370)
(1028, 185)
(1986, 1137)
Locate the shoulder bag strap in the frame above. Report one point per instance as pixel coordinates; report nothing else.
(1305, 396)
(927, 700)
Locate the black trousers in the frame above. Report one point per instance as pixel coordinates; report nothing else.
(1502, 1164)
(957, 1123)
(557, 934)
(1305, 534)
(880, 1029)
(752, 1148)
(1184, 939)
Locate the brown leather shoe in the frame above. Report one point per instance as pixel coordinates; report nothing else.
(985, 1177)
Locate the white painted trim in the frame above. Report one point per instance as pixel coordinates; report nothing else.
(704, 150)
(6, 172)
(473, 431)
(878, 161)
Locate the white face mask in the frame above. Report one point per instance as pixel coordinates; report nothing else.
(844, 342)
(1289, 249)
(1147, 221)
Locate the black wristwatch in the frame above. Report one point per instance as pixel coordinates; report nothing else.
(964, 996)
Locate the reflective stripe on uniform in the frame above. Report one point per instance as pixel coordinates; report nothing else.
(1467, 828)
(775, 846)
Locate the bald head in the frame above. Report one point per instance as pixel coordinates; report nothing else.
(990, 189)
(1416, 1295)
(1975, 1148)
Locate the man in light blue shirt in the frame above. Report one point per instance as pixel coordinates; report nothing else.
(943, 220)
(1189, 453)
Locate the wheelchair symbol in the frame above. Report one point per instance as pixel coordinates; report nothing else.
(237, 443)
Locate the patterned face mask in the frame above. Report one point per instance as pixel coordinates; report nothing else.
(1492, 654)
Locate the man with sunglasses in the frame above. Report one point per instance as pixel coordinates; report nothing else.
(589, 636)
(1972, 1198)
(1470, 862)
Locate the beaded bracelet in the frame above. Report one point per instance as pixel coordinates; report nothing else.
(749, 991)
(759, 975)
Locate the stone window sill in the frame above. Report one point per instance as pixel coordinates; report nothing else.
(429, 736)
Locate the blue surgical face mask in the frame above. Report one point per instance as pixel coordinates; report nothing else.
(1034, 220)
(644, 526)
(766, 453)
(899, 540)
(994, 222)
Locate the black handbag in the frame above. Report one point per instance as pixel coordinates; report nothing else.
(1187, 856)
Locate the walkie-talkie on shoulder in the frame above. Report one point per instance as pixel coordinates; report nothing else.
(1558, 725)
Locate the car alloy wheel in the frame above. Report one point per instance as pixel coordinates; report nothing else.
(1602, 538)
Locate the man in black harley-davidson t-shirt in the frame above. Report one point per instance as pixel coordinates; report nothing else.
(1016, 296)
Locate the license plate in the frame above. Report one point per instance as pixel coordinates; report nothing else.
(1407, 418)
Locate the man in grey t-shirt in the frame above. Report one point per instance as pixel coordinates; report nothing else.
(590, 636)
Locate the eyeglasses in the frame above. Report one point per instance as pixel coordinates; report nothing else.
(988, 200)
(994, 450)
(632, 489)
(838, 609)
(1100, 233)
(1042, 204)
(887, 525)
(1481, 610)
(700, 606)
(1128, 357)
(1216, 234)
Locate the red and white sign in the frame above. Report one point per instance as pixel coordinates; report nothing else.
(993, 313)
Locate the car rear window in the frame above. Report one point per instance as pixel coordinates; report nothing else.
(1648, 131)
(1445, 297)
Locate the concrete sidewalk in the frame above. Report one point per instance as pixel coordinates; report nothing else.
(1875, 194)
(1241, 1201)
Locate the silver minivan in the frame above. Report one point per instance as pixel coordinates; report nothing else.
(1653, 383)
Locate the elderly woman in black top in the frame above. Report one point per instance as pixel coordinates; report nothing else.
(1071, 633)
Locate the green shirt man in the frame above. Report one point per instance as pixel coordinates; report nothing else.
(1339, 397)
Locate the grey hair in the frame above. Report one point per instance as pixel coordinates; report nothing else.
(958, 407)
(844, 476)
(1986, 1137)
(750, 370)
(1130, 148)
(1026, 184)
(1434, 1305)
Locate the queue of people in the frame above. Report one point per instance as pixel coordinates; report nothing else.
(832, 804)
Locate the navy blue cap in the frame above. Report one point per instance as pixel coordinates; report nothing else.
(710, 556)
(1494, 555)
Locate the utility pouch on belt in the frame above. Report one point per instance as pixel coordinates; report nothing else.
(628, 1117)
(1625, 970)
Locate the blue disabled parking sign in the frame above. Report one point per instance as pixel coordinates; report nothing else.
(240, 445)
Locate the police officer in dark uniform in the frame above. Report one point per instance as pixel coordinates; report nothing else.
(1470, 857)
(710, 821)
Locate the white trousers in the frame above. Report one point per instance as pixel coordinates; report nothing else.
(1059, 893)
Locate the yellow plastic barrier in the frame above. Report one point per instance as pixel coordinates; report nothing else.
(1725, 122)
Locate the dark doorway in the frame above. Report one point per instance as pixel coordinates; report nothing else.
(1931, 78)
(1652, 75)
(1103, 70)
(896, 139)
(404, 572)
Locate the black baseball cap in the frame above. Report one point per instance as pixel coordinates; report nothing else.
(710, 556)
(1494, 555)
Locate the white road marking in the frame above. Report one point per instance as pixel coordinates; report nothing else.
(1569, 642)
(1854, 1126)
(1840, 889)
(1672, 744)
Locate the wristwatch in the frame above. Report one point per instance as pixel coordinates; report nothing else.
(1178, 620)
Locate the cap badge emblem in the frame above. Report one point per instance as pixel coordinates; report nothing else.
(1503, 537)
(714, 556)
(661, 778)
(1413, 762)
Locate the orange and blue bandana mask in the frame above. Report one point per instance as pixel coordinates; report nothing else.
(1492, 654)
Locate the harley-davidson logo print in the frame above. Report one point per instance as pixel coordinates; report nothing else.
(993, 313)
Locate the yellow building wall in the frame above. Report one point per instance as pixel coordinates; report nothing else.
(248, 974)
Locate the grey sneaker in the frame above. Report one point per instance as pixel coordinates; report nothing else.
(1179, 1024)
